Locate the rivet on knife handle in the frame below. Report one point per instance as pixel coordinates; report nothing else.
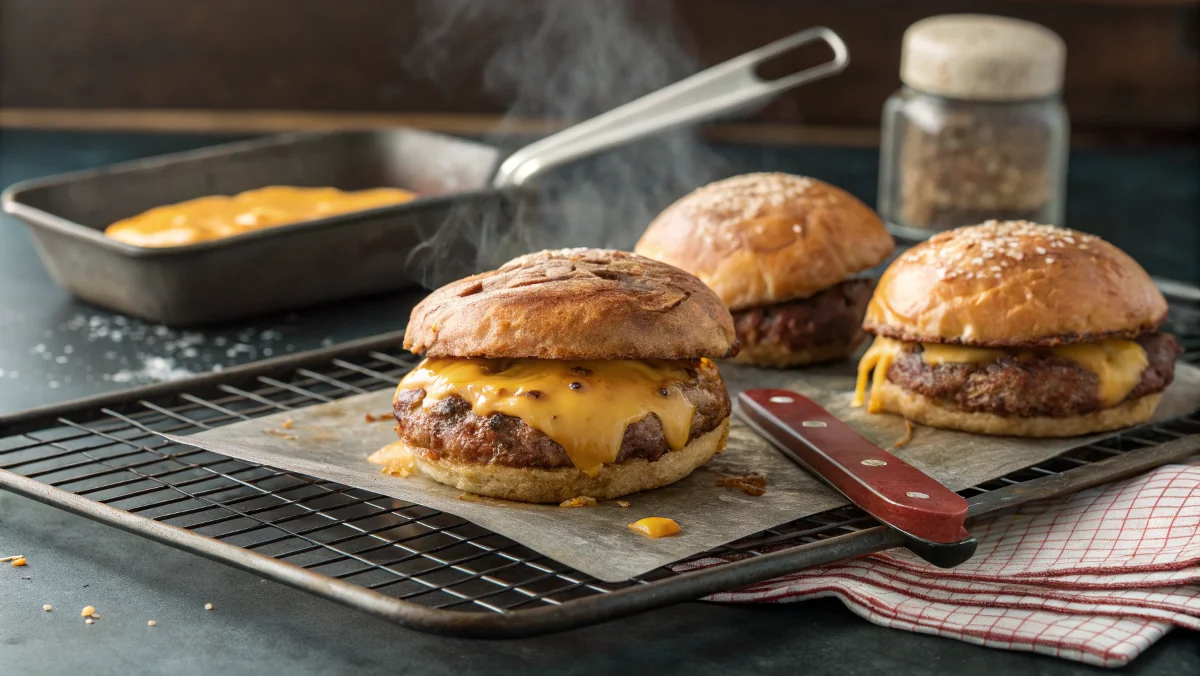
(883, 485)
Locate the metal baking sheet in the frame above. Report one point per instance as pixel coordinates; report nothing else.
(332, 441)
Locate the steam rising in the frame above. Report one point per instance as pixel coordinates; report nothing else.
(564, 60)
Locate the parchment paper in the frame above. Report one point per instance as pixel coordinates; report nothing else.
(332, 441)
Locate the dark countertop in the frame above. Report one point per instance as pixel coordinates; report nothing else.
(53, 348)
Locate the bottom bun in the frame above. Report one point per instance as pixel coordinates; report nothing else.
(921, 409)
(781, 357)
(533, 484)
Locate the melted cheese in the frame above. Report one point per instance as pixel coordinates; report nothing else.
(396, 458)
(220, 216)
(1118, 364)
(655, 526)
(936, 354)
(584, 406)
(878, 359)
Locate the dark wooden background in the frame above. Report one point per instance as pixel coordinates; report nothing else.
(1133, 73)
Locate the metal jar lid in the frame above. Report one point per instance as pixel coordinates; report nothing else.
(981, 57)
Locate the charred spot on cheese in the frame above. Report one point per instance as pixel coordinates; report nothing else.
(583, 406)
(1118, 364)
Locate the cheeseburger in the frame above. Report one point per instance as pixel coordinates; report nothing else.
(1017, 329)
(782, 253)
(564, 374)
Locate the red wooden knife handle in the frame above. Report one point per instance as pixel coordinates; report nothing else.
(883, 485)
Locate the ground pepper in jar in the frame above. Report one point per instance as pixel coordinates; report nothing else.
(978, 131)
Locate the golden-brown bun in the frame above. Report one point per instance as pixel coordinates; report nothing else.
(1012, 284)
(780, 356)
(921, 409)
(574, 304)
(525, 484)
(759, 239)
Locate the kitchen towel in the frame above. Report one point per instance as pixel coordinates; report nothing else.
(1095, 577)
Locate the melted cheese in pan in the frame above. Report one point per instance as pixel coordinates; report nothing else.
(1118, 364)
(221, 216)
(584, 406)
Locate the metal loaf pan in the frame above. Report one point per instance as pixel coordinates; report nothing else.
(270, 270)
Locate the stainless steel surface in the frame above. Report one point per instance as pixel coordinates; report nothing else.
(725, 88)
(432, 571)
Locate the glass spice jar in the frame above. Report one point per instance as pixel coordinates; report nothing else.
(978, 130)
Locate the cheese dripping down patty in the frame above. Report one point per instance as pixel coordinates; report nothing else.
(583, 406)
(1118, 364)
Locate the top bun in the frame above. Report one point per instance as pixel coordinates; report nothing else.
(1012, 284)
(574, 304)
(759, 239)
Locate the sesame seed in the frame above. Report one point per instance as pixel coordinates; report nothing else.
(1041, 250)
(1050, 259)
(151, 623)
(47, 608)
(89, 621)
(731, 201)
(208, 606)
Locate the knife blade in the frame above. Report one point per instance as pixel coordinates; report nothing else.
(929, 515)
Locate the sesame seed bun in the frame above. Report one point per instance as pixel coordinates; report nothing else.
(921, 409)
(574, 304)
(1014, 284)
(767, 238)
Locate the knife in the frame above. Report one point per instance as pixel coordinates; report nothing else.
(930, 516)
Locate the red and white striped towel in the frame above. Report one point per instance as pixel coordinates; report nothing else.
(1095, 577)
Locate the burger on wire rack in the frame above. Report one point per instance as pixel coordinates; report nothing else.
(784, 253)
(1014, 328)
(565, 374)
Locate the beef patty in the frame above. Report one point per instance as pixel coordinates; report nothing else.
(832, 317)
(450, 429)
(1036, 384)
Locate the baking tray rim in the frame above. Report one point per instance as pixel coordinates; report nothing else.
(511, 624)
(33, 217)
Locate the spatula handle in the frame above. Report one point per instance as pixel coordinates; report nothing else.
(883, 485)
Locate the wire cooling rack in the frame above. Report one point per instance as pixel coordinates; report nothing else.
(413, 565)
